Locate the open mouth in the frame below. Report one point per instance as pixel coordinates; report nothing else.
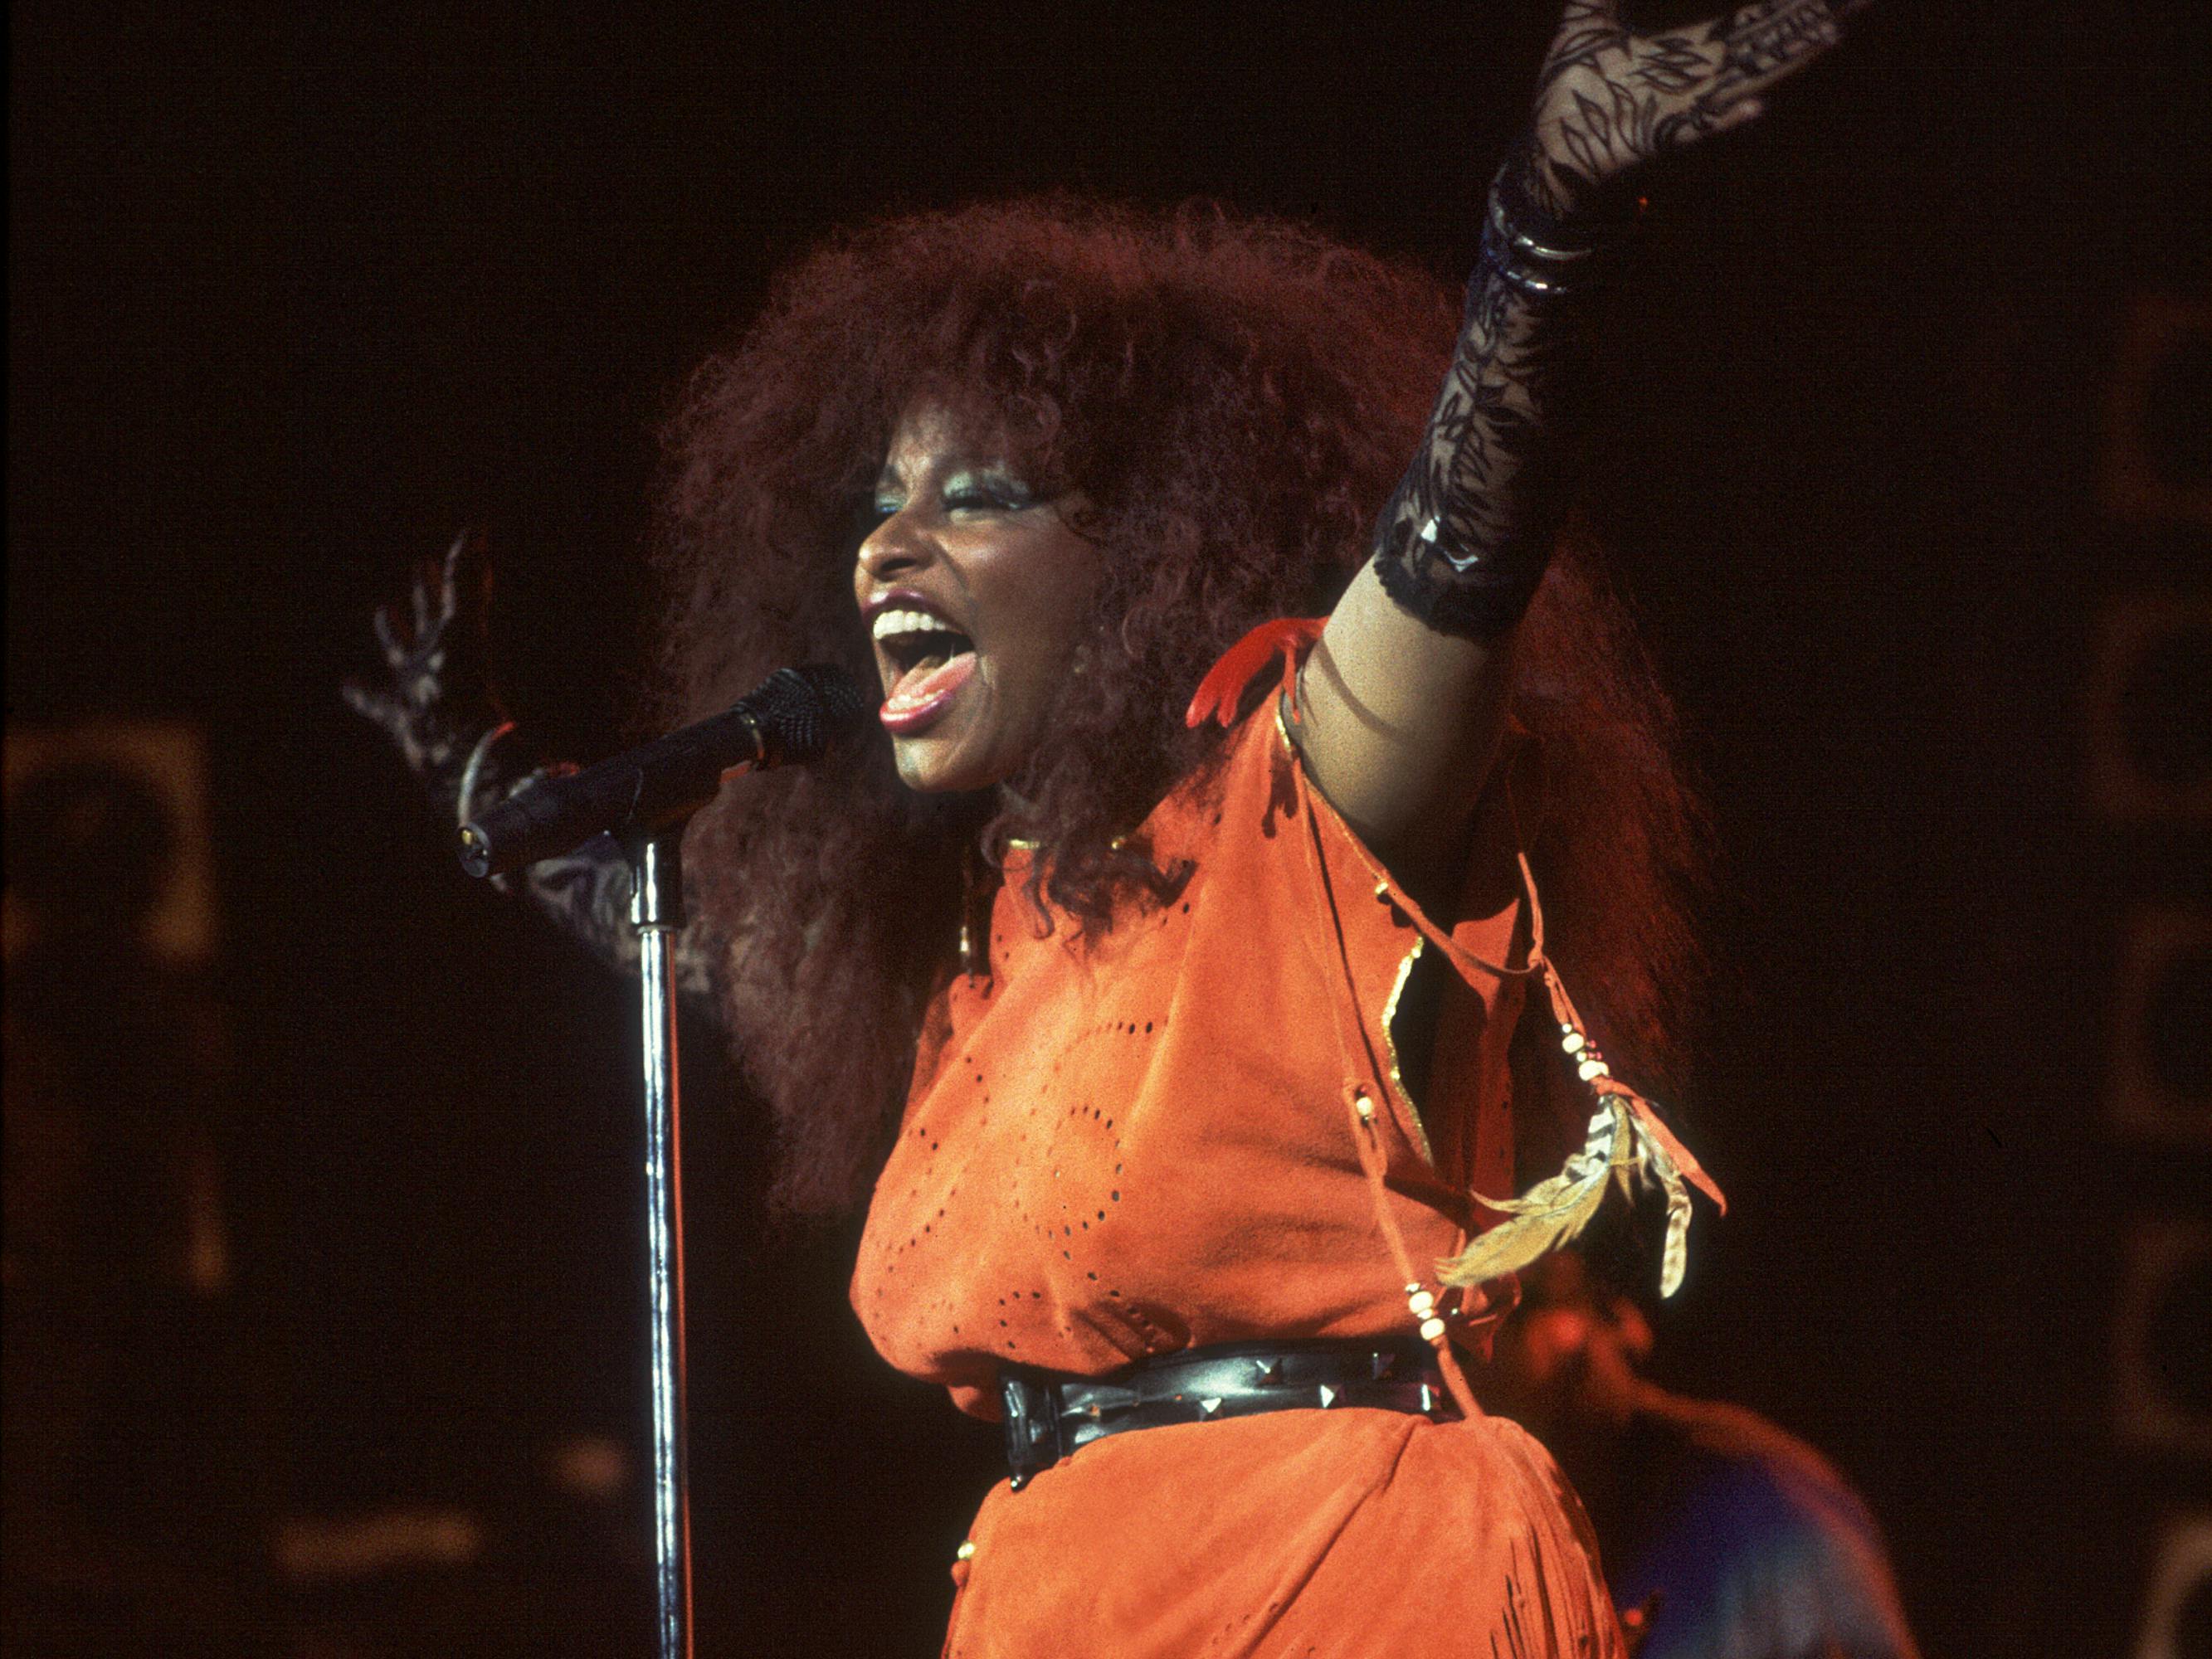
(927, 659)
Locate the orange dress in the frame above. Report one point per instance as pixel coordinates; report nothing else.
(1148, 1141)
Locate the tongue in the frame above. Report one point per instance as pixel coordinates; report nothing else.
(921, 683)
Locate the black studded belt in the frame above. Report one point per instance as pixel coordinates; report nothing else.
(1052, 1414)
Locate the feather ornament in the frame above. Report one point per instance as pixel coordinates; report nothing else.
(1642, 1152)
(1619, 1151)
(1655, 1165)
(1551, 1213)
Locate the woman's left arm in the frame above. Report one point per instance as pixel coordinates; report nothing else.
(1404, 698)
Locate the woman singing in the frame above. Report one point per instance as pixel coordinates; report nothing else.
(1185, 987)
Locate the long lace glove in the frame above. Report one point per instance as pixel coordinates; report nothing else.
(438, 707)
(1464, 540)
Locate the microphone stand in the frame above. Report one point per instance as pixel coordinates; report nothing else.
(646, 797)
(657, 909)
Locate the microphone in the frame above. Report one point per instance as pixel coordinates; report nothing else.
(796, 715)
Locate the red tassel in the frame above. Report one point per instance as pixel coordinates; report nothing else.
(1221, 692)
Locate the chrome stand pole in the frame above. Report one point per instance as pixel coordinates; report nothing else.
(657, 908)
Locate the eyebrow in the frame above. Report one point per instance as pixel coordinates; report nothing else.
(950, 464)
(888, 475)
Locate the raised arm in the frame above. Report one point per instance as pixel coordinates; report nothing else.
(1405, 697)
(437, 706)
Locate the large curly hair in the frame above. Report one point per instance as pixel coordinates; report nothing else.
(1238, 395)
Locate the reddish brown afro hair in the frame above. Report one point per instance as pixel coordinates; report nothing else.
(1237, 396)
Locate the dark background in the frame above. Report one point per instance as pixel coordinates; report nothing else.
(294, 296)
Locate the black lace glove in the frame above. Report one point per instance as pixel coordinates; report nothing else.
(437, 705)
(1609, 101)
(1463, 542)
(441, 713)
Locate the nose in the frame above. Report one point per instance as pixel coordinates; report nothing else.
(894, 548)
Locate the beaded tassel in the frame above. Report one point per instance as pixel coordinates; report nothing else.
(1421, 1300)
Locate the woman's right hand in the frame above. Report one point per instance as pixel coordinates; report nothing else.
(435, 701)
(437, 704)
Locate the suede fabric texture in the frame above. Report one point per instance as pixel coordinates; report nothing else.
(1134, 1144)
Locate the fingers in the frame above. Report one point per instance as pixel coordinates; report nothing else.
(1609, 102)
(464, 587)
(461, 568)
(1769, 41)
(395, 653)
(449, 583)
(426, 611)
(1741, 113)
(374, 706)
(1578, 15)
(432, 663)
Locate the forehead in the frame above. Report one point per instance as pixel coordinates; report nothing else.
(932, 433)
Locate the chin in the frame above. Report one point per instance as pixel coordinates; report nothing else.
(928, 768)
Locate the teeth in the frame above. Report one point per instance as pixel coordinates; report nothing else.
(890, 622)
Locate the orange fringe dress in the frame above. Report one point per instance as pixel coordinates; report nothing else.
(1193, 1130)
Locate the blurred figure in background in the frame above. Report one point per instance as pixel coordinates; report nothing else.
(1723, 1536)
